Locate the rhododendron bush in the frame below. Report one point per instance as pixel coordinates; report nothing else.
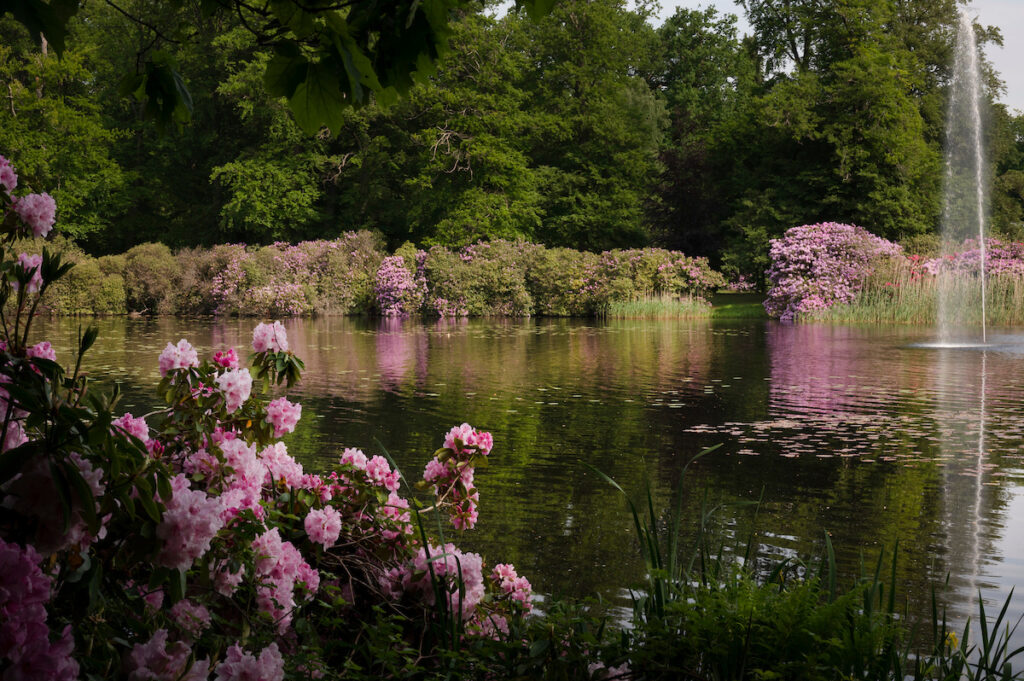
(817, 266)
(189, 544)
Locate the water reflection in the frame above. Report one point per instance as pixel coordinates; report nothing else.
(841, 429)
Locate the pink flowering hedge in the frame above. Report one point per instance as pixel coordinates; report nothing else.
(516, 279)
(188, 544)
(814, 267)
(354, 275)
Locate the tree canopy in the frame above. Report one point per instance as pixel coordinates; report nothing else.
(578, 123)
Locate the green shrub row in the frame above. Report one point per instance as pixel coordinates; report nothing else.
(346, 276)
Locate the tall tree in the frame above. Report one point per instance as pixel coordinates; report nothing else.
(706, 77)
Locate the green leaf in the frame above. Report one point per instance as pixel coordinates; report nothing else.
(317, 100)
(48, 19)
(301, 22)
(13, 460)
(285, 72)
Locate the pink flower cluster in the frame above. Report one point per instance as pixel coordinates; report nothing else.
(396, 290)
(227, 358)
(236, 384)
(515, 587)
(180, 356)
(378, 470)
(38, 211)
(1001, 259)
(280, 568)
(154, 660)
(447, 564)
(817, 266)
(239, 665)
(451, 473)
(191, 617)
(132, 425)
(29, 263)
(270, 338)
(283, 415)
(42, 350)
(323, 525)
(189, 524)
(8, 178)
(25, 647)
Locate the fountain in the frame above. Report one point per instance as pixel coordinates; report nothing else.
(964, 192)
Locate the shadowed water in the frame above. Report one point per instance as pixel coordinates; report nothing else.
(860, 432)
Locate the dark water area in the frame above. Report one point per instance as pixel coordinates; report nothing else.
(854, 431)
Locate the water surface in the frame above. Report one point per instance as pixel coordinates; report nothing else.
(855, 431)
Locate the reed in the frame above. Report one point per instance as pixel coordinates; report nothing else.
(658, 307)
(897, 293)
(702, 615)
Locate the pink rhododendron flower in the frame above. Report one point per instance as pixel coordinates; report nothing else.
(379, 472)
(281, 466)
(323, 526)
(191, 521)
(191, 617)
(30, 262)
(396, 509)
(280, 567)
(227, 359)
(132, 425)
(157, 661)
(283, 415)
(180, 356)
(8, 178)
(354, 457)
(38, 211)
(448, 563)
(25, 646)
(470, 439)
(225, 581)
(239, 665)
(236, 384)
(42, 350)
(270, 337)
(516, 587)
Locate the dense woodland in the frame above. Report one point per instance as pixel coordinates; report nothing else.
(592, 127)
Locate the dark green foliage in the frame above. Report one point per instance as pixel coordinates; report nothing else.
(579, 125)
(150, 275)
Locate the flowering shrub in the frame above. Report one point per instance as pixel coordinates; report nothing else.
(1001, 259)
(395, 288)
(816, 266)
(191, 545)
(480, 279)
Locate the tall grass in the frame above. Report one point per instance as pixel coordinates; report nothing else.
(700, 615)
(896, 294)
(658, 307)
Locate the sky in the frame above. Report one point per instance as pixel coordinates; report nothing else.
(1008, 15)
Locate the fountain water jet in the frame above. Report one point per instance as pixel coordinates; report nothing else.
(964, 190)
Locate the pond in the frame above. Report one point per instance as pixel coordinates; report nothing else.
(854, 431)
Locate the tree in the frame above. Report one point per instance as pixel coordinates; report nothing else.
(52, 123)
(706, 77)
(597, 124)
(840, 138)
(328, 54)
